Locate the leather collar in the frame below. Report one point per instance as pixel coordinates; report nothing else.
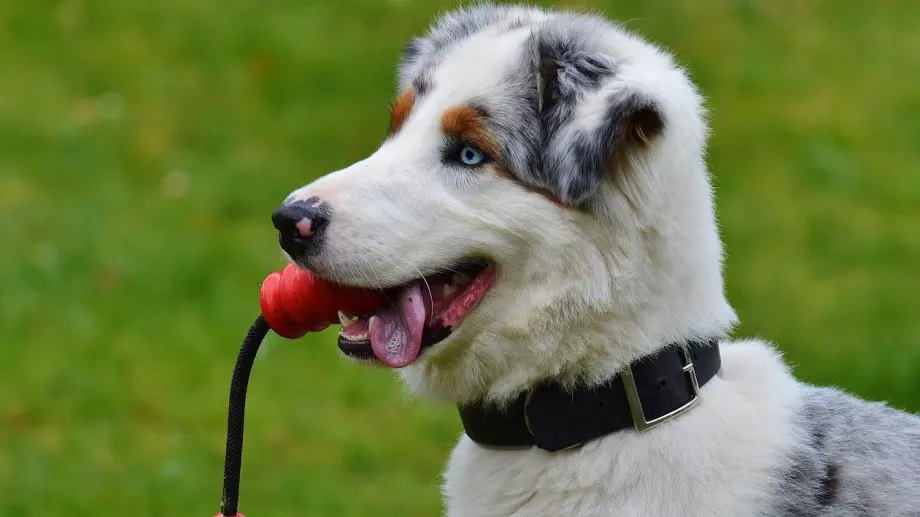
(650, 391)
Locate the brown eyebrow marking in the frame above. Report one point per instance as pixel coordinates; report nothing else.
(400, 110)
(467, 124)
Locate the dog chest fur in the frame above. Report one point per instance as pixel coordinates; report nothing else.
(761, 445)
(716, 460)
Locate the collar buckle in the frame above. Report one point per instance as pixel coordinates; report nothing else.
(635, 404)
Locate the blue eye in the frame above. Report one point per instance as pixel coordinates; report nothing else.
(470, 155)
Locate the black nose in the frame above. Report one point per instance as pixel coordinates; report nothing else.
(301, 228)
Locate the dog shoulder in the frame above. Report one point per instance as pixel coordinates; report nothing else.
(850, 458)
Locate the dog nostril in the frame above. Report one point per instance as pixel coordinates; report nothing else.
(296, 221)
(304, 227)
(298, 224)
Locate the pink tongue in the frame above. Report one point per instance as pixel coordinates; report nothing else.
(396, 333)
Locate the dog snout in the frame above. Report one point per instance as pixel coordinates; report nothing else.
(301, 227)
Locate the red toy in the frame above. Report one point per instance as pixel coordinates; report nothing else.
(294, 302)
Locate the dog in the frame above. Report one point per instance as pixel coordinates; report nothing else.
(540, 218)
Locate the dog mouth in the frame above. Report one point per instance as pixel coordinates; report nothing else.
(416, 316)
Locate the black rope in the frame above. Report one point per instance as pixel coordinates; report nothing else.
(235, 414)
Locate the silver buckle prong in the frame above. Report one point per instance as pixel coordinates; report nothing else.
(635, 404)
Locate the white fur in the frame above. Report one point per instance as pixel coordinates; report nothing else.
(715, 460)
(579, 294)
(586, 293)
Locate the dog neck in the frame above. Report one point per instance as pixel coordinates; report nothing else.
(648, 393)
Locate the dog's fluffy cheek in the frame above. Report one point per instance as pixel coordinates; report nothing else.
(515, 336)
(552, 277)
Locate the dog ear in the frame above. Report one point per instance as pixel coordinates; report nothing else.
(586, 118)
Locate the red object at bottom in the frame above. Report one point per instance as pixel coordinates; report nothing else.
(295, 301)
(222, 515)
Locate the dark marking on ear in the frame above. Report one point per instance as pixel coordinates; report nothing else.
(642, 126)
(574, 154)
(582, 157)
(567, 73)
(567, 70)
(538, 122)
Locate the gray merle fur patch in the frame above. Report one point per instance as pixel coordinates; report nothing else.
(534, 112)
(853, 459)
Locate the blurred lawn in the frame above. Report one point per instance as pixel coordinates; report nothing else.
(144, 144)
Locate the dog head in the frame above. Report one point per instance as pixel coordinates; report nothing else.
(540, 208)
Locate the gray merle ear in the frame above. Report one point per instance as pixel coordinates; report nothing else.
(586, 118)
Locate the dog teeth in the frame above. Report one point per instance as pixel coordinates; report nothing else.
(345, 320)
(348, 323)
(458, 279)
(449, 289)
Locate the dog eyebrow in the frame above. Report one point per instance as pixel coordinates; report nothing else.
(400, 109)
(467, 123)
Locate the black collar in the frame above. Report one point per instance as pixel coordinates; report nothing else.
(650, 391)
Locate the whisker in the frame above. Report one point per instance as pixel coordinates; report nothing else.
(425, 280)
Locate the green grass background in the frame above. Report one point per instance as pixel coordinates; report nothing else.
(143, 146)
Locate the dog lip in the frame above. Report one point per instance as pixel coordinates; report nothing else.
(466, 266)
(363, 350)
(356, 349)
